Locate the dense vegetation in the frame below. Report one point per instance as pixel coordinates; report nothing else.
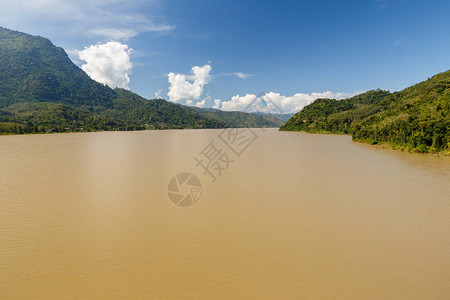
(32, 69)
(41, 90)
(416, 119)
(242, 119)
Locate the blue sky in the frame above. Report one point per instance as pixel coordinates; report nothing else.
(294, 51)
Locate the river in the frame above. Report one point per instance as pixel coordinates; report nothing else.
(273, 215)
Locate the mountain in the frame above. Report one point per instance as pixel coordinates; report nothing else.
(42, 90)
(282, 117)
(416, 118)
(323, 114)
(32, 69)
(242, 119)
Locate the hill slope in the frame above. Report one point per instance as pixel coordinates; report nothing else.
(42, 90)
(417, 118)
(241, 119)
(32, 69)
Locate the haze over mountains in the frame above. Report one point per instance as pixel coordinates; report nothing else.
(42, 90)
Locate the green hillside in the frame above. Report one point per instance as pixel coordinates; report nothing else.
(32, 69)
(241, 119)
(41, 90)
(416, 119)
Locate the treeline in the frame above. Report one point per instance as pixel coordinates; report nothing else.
(44, 117)
(53, 119)
(16, 128)
(416, 119)
(41, 90)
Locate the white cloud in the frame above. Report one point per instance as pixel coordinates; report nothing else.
(238, 75)
(114, 33)
(113, 19)
(239, 103)
(217, 103)
(199, 104)
(296, 102)
(273, 102)
(242, 75)
(158, 94)
(108, 63)
(185, 88)
(188, 89)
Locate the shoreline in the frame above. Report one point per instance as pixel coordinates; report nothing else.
(92, 131)
(382, 145)
(387, 146)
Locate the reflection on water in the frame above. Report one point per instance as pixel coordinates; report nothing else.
(298, 216)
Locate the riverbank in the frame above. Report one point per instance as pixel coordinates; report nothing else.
(383, 145)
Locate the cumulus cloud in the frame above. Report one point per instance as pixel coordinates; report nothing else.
(296, 102)
(187, 88)
(112, 19)
(239, 103)
(217, 103)
(199, 104)
(273, 102)
(158, 94)
(108, 63)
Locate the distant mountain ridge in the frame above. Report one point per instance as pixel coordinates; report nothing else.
(42, 90)
(241, 118)
(416, 118)
(282, 117)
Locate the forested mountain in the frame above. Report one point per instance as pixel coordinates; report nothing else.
(41, 90)
(242, 119)
(416, 119)
(282, 117)
(32, 69)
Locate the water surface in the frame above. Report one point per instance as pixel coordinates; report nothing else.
(296, 216)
